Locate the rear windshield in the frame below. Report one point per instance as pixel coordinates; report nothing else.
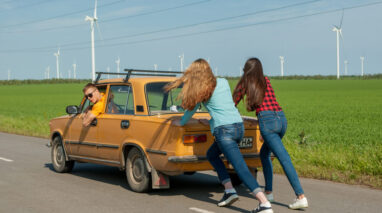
(161, 102)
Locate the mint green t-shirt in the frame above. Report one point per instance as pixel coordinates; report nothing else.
(220, 106)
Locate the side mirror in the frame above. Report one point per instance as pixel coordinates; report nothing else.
(72, 109)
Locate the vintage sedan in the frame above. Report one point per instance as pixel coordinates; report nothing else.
(138, 133)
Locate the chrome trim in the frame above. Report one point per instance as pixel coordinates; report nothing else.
(196, 159)
(156, 151)
(94, 159)
(98, 145)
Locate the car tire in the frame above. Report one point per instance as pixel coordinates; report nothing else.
(137, 174)
(59, 162)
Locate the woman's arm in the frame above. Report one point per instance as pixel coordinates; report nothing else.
(188, 114)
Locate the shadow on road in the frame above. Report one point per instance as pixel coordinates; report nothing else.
(198, 186)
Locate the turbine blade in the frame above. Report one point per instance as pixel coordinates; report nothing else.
(100, 34)
(342, 18)
(95, 10)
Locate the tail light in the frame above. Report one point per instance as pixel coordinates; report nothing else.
(188, 139)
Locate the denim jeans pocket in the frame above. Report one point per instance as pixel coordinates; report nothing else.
(270, 124)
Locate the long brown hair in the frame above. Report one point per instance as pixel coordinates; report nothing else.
(198, 84)
(252, 84)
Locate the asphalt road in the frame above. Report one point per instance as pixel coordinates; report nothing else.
(29, 184)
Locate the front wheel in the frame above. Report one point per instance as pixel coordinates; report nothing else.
(58, 157)
(137, 174)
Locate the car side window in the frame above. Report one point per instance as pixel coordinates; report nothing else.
(102, 89)
(120, 100)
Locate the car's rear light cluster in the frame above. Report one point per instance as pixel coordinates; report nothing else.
(188, 139)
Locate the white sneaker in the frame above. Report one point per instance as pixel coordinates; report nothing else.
(269, 197)
(299, 203)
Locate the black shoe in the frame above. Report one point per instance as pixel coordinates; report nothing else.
(228, 199)
(262, 209)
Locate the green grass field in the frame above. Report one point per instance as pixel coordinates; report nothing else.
(334, 127)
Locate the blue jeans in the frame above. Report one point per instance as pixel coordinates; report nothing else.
(273, 126)
(226, 139)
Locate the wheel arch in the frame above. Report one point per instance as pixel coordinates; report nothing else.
(125, 150)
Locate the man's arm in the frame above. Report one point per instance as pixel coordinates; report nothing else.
(88, 118)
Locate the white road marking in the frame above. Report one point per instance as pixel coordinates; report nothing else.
(5, 159)
(200, 210)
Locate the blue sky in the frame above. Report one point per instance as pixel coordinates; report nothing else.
(227, 32)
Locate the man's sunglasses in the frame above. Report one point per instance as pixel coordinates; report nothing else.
(90, 95)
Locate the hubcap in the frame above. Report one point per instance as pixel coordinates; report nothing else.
(59, 155)
(138, 169)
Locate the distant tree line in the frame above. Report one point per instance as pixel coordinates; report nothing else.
(322, 77)
(45, 81)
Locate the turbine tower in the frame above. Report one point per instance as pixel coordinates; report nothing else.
(108, 70)
(155, 66)
(57, 54)
(118, 61)
(362, 59)
(9, 75)
(69, 75)
(48, 72)
(240, 70)
(338, 31)
(282, 65)
(74, 70)
(92, 21)
(181, 62)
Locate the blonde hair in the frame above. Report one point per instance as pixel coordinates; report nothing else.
(198, 84)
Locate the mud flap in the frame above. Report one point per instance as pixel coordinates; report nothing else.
(159, 180)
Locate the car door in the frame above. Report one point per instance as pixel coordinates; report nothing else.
(114, 124)
(82, 141)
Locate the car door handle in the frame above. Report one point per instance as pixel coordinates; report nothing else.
(94, 122)
(125, 124)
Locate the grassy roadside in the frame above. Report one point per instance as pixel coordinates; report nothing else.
(333, 126)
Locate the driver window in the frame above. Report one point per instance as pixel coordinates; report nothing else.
(120, 100)
(102, 89)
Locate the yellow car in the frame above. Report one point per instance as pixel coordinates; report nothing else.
(139, 132)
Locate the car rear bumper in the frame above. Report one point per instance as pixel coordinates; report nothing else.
(197, 159)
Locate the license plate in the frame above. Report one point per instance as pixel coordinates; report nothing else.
(246, 142)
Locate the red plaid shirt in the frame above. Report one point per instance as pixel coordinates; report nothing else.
(269, 102)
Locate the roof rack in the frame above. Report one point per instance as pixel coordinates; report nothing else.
(137, 72)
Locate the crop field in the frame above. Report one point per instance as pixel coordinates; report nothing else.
(334, 127)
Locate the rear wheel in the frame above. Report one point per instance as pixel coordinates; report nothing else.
(137, 174)
(58, 157)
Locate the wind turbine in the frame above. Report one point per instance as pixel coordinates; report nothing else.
(9, 74)
(92, 21)
(240, 70)
(181, 62)
(282, 65)
(338, 31)
(47, 72)
(69, 75)
(362, 59)
(108, 70)
(74, 70)
(57, 54)
(155, 66)
(118, 61)
(346, 67)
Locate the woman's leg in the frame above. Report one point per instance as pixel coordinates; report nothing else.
(271, 126)
(265, 157)
(213, 156)
(226, 138)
